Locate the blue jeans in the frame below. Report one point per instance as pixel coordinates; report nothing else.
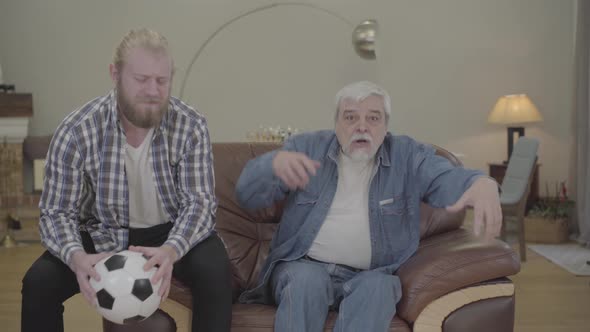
(305, 290)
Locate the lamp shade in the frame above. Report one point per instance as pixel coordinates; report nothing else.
(514, 109)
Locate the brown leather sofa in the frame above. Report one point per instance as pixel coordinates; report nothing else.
(454, 282)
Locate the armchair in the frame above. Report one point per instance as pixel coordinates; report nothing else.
(517, 185)
(454, 282)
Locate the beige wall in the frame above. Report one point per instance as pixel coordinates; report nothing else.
(444, 62)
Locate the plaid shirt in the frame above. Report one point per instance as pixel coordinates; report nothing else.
(85, 186)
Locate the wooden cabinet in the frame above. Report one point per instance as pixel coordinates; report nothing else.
(498, 170)
(16, 105)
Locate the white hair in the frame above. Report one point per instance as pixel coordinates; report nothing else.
(358, 91)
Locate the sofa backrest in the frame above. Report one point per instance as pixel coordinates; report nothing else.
(247, 234)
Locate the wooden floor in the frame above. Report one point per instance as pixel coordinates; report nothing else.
(548, 298)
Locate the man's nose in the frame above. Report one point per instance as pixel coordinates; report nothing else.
(362, 126)
(152, 87)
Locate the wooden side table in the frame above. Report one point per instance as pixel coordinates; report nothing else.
(498, 170)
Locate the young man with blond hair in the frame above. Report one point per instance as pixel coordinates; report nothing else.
(130, 170)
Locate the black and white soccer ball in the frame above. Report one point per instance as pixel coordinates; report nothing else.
(125, 293)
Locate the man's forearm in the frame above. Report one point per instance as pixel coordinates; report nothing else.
(60, 238)
(257, 186)
(194, 224)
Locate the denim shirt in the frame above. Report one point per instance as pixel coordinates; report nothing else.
(406, 173)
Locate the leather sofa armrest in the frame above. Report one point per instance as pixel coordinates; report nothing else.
(447, 262)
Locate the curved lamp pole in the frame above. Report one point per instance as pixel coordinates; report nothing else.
(363, 37)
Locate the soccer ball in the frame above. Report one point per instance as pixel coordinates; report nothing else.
(125, 294)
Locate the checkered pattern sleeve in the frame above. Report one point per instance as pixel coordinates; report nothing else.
(59, 202)
(195, 190)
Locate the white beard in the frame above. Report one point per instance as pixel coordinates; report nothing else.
(360, 154)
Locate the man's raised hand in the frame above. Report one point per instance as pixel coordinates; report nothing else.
(294, 168)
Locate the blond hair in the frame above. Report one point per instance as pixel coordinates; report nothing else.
(143, 37)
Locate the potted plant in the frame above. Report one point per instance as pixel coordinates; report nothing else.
(548, 220)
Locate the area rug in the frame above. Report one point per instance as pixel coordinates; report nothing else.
(570, 256)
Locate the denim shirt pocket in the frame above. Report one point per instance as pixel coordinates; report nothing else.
(396, 217)
(295, 215)
(395, 206)
(306, 198)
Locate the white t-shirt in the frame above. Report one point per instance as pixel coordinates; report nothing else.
(145, 207)
(344, 237)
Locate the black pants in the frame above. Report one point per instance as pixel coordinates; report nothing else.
(205, 269)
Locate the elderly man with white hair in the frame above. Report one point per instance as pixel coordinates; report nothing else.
(352, 214)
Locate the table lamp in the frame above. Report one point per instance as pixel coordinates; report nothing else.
(513, 110)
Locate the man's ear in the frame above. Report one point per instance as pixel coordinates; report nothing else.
(114, 73)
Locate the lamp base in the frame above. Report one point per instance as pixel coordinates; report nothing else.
(8, 242)
(511, 131)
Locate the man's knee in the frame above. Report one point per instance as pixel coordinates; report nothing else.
(33, 281)
(207, 260)
(376, 285)
(307, 279)
(45, 276)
